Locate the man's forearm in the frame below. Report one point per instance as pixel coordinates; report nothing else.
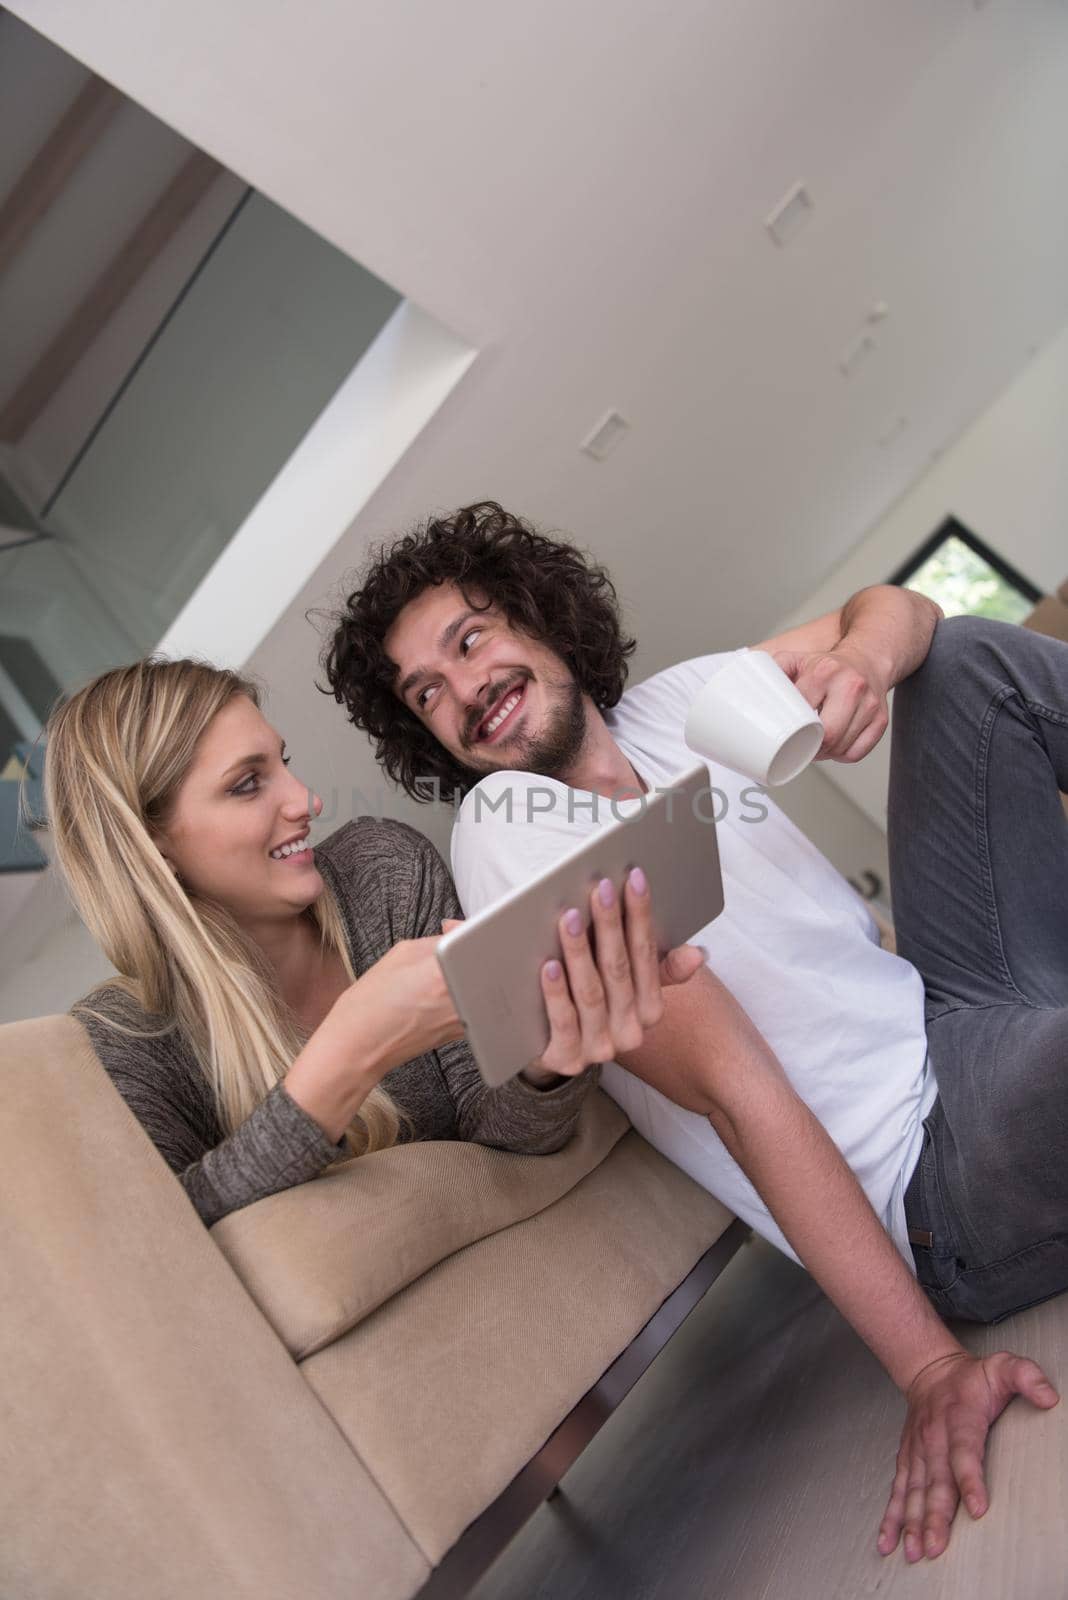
(708, 1055)
(891, 627)
(817, 1202)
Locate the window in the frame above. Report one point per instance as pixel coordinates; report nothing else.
(961, 573)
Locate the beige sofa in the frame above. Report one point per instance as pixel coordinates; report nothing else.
(317, 1397)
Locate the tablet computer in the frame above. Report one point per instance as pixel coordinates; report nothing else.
(493, 963)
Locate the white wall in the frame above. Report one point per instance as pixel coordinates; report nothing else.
(54, 977)
(47, 959)
(1005, 478)
(15, 889)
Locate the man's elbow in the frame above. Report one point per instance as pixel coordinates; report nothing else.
(929, 618)
(705, 1080)
(930, 607)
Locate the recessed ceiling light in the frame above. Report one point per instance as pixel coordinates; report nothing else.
(894, 431)
(854, 353)
(790, 215)
(605, 436)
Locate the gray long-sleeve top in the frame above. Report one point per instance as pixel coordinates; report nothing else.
(390, 884)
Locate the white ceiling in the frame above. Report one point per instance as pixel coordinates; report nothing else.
(579, 188)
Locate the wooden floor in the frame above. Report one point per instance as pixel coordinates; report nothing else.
(753, 1461)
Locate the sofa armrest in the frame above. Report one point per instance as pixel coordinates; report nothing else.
(157, 1439)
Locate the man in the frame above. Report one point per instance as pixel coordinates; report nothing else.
(480, 654)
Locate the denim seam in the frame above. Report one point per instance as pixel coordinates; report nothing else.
(952, 1228)
(1049, 712)
(991, 1005)
(982, 841)
(1014, 1255)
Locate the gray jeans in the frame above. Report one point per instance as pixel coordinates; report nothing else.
(979, 877)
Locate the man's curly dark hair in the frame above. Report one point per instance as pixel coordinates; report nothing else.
(544, 586)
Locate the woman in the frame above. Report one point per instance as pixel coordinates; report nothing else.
(279, 1008)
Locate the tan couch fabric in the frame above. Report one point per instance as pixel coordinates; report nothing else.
(319, 1258)
(1049, 616)
(449, 1388)
(156, 1441)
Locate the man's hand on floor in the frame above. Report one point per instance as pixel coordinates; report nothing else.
(952, 1405)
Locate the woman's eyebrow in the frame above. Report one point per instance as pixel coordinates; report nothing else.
(257, 760)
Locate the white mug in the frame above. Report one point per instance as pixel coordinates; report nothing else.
(751, 718)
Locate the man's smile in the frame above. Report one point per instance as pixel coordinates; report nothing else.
(501, 719)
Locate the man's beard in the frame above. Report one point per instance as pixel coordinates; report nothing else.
(551, 752)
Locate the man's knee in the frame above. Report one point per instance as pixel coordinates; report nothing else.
(961, 648)
(958, 639)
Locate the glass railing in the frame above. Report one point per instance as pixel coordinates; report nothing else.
(261, 336)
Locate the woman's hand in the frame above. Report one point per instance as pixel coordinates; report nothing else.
(398, 1009)
(600, 1005)
(953, 1403)
(401, 1007)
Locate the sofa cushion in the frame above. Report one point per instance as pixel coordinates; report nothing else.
(318, 1258)
(449, 1388)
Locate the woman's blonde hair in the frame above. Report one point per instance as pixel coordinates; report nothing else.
(117, 752)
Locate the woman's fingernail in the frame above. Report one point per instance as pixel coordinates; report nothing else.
(553, 970)
(638, 881)
(605, 892)
(573, 921)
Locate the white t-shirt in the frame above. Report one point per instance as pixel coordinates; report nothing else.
(795, 945)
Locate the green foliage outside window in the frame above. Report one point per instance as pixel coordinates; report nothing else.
(959, 579)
